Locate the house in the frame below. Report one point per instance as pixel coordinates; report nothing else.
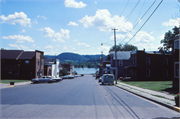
(148, 66)
(106, 67)
(175, 61)
(19, 64)
(123, 60)
(69, 68)
(51, 67)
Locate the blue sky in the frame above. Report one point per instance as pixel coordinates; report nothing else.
(80, 26)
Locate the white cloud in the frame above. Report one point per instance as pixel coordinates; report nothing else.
(121, 36)
(74, 4)
(15, 46)
(161, 37)
(72, 23)
(65, 47)
(75, 40)
(58, 46)
(24, 48)
(19, 38)
(144, 37)
(43, 17)
(147, 46)
(95, 2)
(172, 22)
(105, 21)
(34, 46)
(23, 31)
(49, 47)
(41, 29)
(58, 36)
(84, 44)
(20, 47)
(19, 18)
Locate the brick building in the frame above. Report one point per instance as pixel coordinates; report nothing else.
(19, 64)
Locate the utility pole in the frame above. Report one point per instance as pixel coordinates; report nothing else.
(102, 61)
(115, 52)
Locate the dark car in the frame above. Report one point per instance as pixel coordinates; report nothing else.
(98, 76)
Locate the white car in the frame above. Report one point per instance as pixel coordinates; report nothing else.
(57, 78)
(43, 79)
(107, 79)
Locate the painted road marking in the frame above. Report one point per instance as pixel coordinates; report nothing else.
(177, 109)
(10, 86)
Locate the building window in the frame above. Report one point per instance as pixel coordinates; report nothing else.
(176, 44)
(27, 62)
(148, 73)
(147, 61)
(120, 63)
(38, 63)
(165, 61)
(166, 73)
(176, 69)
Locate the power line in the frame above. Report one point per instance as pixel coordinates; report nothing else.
(125, 7)
(140, 10)
(138, 21)
(131, 12)
(146, 21)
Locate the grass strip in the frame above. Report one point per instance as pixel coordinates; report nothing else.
(6, 81)
(152, 85)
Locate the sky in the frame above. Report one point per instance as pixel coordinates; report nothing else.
(85, 26)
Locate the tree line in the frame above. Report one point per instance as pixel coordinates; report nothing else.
(83, 64)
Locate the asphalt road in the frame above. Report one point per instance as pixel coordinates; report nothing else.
(80, 98)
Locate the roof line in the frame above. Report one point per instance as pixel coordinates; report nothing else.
(19, 55)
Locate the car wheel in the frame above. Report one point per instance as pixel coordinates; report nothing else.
(36, 82)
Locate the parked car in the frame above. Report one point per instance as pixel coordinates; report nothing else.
(57, 78)
(68, 77)
(98, 76)
(100, 79)
(43, 79)
(107, 79)
(75, 76)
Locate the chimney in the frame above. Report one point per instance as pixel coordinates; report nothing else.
(144, 49)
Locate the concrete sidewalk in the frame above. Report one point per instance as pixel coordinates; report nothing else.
(3, 85)
(163, 98)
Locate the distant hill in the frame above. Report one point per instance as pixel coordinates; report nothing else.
(73, 57)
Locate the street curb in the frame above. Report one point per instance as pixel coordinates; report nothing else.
(175, 108)
(15, 85)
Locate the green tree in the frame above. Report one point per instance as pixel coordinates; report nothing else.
(63, 72)
(167, 36)
(126, 47)
(108, 57)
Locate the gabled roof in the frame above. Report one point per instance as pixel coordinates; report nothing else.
(27, 55)
(121, 55)
(17, 54)
(11, 54)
